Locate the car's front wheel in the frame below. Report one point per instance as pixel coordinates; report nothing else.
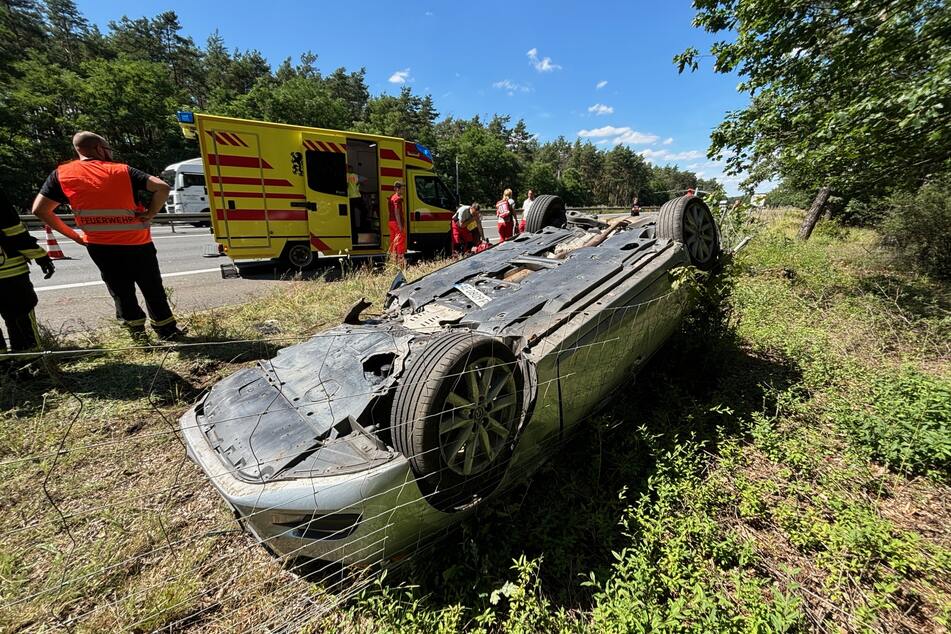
(455, 415)
(546, 211)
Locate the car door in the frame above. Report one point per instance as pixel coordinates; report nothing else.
(326, 205)
(430, 207)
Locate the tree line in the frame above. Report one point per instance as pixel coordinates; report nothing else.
(850, 108)
(60, 74)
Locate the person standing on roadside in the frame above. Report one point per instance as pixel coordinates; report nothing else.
(17, 297)
(530, 197)
(357, 206)
(505, 212)
(397, 223)
(116, 234)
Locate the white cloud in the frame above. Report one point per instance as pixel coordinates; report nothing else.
(400, 77)
(511, 87)
(600, 109)
(617, 136)
(667, 155)
(430, 14)
(601, 84)
(543, 64)
(668, 140)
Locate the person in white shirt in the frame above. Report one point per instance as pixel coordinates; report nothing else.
(528, 203)
(525, 207)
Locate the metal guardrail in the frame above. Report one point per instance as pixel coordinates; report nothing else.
(32, 221)
(603, 209)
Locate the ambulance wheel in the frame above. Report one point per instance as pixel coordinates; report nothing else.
(455, 416)
(688, 220)
(299, 255)
(546, 211)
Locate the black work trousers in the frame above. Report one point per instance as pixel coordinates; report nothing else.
(123, 267)
(17, 301)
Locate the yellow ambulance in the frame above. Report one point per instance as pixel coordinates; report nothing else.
(292, 192)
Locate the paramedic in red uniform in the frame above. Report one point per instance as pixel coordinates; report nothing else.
(102, 194)
(505, 211)
(466, 232)
(397, 222)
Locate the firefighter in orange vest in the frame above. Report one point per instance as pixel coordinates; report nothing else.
(116, 234)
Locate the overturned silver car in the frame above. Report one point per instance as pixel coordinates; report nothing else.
(360, 443)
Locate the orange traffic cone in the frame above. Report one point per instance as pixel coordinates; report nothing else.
(52, 247)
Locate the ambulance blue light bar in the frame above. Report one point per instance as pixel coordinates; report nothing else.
(424, 151)
(185, 117)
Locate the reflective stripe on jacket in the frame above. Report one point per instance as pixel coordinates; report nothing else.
(16, 246)
(100, 194)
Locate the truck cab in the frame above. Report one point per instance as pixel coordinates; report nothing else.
(189, 194)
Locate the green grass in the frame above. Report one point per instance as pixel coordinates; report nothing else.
(783, 465)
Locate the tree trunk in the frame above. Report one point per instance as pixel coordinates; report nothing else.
(809, 223)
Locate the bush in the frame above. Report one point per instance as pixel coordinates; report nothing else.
(920, 227)
(904, 422)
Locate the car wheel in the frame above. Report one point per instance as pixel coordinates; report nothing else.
(688, 220)
(299, 256)
(454, 417)
(546, 211)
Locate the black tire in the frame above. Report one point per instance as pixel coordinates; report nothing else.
(688, 220)
(546, 211)
(428, 421)
(298, 255)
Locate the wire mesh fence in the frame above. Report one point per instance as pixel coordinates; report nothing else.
(124, 511)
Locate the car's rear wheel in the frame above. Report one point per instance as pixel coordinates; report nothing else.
(688, 220)
(546, 211)
(454, 417)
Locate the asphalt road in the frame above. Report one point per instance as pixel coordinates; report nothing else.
(75, 298)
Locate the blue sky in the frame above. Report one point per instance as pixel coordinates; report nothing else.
(599, 70)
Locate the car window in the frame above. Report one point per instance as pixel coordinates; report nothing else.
(193, 180)
(433, 192)
(327, 172)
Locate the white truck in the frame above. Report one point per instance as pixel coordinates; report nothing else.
(189, 194)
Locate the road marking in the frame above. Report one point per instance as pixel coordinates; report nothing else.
(60, 287)
(184, 235)
(176, 236)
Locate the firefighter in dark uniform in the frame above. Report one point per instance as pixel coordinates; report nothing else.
(17, 297)
(116, 231)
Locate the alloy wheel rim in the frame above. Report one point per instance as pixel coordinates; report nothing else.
(478, 415)
(700, 234)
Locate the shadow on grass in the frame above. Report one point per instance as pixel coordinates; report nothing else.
(568, 512)
(206, 352)
(914, 297)
(327, 270)
(102, 379)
